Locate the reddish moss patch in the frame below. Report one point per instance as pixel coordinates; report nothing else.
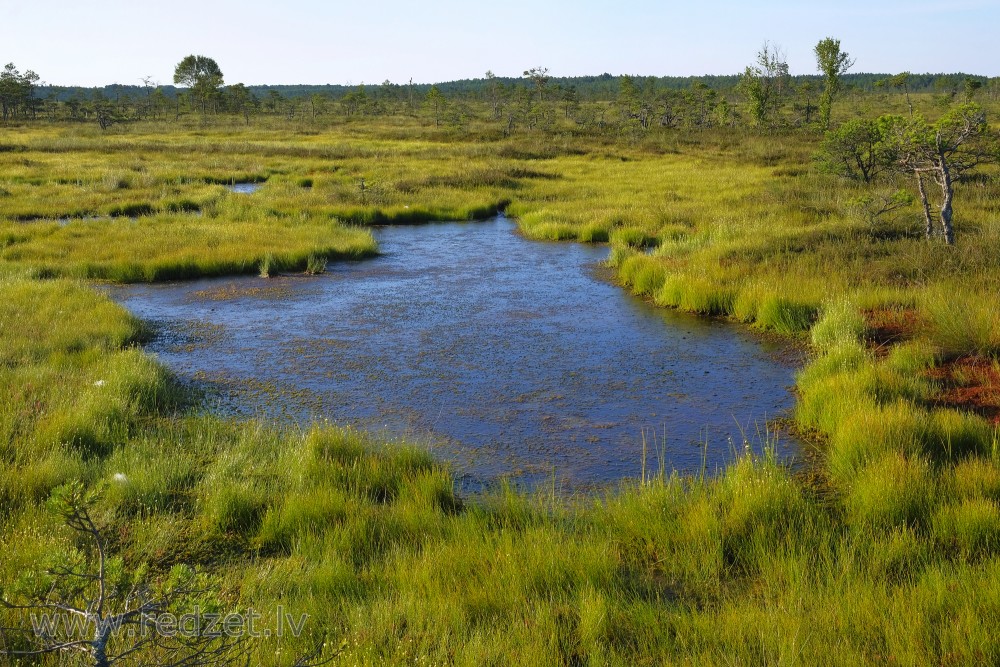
(972, 384)
(889, 326)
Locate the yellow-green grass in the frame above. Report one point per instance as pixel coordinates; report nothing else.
(49, 175)
(892, 556)
(75, 385)
(173, 246)
(372, 542)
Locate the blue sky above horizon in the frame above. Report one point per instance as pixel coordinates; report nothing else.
(83, 42)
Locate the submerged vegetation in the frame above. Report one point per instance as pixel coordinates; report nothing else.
(887, 550)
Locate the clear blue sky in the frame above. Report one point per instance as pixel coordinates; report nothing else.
(88, 42)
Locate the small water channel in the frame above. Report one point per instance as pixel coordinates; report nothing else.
(510, 357)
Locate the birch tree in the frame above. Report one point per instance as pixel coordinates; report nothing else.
(832, 64)
(763, 84)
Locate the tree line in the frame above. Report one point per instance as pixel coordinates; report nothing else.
(764, 95)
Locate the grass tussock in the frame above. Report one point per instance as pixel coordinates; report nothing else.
(964, 324)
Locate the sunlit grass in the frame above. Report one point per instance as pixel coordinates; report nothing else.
(170, 247)
(888, 553)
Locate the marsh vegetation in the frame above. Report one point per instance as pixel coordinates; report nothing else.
(886, 549)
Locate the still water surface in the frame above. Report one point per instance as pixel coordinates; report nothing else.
(512, 357)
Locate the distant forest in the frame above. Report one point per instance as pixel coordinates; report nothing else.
(604, 87)
(765, 95)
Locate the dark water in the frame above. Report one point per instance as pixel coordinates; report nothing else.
(513, 357)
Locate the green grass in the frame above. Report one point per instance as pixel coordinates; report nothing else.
(962, 323)
(887, 552)
(173, 246)
(371, 540)
(839, 324)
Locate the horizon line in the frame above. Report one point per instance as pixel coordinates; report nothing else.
(350, 84)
